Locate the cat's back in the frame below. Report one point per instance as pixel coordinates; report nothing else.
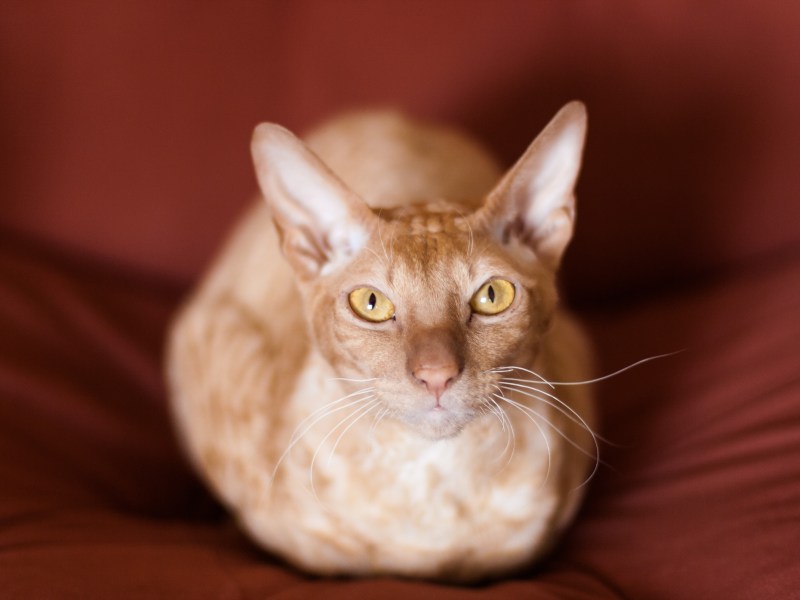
(391, 160)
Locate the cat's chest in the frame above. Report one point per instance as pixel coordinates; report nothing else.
(351, 462)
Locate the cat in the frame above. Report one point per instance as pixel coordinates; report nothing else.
(368, 377)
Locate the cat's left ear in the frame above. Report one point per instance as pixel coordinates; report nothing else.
(534, 203)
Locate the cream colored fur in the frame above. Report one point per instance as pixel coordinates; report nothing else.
(473, 487)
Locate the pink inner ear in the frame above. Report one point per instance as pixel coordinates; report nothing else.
(553, 237)
(302, 253)
(516, 227)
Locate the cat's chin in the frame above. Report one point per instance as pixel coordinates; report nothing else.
(437, 424)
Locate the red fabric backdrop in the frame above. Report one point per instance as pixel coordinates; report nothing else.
(124, 131)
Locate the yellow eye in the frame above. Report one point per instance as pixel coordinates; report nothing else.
(371, 305)
(494, 297)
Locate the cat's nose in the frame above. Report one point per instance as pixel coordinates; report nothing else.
(436, 378)
(435, 358)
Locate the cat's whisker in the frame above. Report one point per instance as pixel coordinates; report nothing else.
(295, 440)
(520, 384)
(510, 369)
(559, 405)
(570, 413)
(620, 371)
(570, 441)
(345, 419)
(508, 427)
(487, 408)
(491, 407)
(526, 413)
(378, 418)
(315, 417)
(577, 419)
(365, 410)
(321, 412)
(522, 380)
(511, 380)
(352, 380)
(549, 399)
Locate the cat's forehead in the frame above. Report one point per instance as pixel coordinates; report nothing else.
(425, 219)
(425, 241)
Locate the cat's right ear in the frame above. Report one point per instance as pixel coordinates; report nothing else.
(321, 222)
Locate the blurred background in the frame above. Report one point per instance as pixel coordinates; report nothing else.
(124, 126)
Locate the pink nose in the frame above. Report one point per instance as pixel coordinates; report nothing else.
(437, 378)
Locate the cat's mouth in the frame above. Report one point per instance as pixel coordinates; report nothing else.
(438, 422)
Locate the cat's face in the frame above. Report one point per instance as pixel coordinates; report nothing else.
(425, 312)
(423, 302)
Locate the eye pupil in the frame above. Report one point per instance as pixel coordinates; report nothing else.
(493, 297)
(371, 305)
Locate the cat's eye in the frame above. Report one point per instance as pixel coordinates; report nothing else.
(371, 305)
(494, 296)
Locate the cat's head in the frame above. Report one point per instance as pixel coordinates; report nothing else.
(423, 302)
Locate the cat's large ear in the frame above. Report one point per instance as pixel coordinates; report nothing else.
(321, 222)
(534, 203)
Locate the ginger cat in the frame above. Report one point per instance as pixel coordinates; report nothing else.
(369, 375)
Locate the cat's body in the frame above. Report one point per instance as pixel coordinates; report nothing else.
(418, 466)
